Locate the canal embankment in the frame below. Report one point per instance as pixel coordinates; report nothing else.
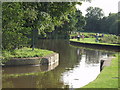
(95, 45)
(105, 62)
(108, 77)
(81, 64)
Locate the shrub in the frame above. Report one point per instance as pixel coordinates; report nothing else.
(113, 39)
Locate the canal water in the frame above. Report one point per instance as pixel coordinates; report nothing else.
(77, 67)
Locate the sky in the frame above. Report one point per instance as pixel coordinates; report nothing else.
(106, 5)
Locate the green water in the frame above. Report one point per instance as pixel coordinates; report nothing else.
(76, 68)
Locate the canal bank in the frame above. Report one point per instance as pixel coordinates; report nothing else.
(77, 67)
(108, 78)
(96, 45)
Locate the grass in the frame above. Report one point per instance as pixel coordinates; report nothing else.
(108, 78)
(107, 38)
(26, 52)
(92, 41)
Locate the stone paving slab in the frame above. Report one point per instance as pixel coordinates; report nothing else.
(107, 61)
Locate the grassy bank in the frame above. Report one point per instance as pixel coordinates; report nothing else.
(103, 38)
(25, 52)
(108, 78)
(92, 41)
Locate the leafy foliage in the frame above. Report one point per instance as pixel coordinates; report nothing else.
(75, 22)
(110, 39)
(14, 32)
(93, 17)
(95, 12)
(21, 19)
(110, 24)
(81, 21)
(97, 22)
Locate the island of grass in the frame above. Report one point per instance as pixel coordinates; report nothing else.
(25, 55)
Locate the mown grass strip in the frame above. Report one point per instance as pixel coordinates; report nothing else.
(92, 41)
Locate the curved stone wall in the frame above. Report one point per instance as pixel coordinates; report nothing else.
(96, 46)
(50, 59)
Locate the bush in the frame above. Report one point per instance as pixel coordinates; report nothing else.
(86, 35)
(89, 35)
(113, 39)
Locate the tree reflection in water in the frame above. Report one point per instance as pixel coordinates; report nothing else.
(86, 71)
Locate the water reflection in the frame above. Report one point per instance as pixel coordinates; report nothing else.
(49, 67)
(86, 70)
(82, 74)
(30, 69)
(77, 67)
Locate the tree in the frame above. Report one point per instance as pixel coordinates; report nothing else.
(63, 18)
(20, 19)
(80, 21)
(95, 12)
(14, 33)
(75, 23)
(110, 24)
(93, 16)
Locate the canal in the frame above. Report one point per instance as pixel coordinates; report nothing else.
(77, 67)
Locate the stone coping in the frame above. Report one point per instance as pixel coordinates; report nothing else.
(33, 60)
(96, 46)
(105, 62)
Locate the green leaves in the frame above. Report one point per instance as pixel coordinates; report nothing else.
(93, 17)
(95, 13)
(97, 22)
(21, 18)
(13, 26)
(81, 21)
(110, 24)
